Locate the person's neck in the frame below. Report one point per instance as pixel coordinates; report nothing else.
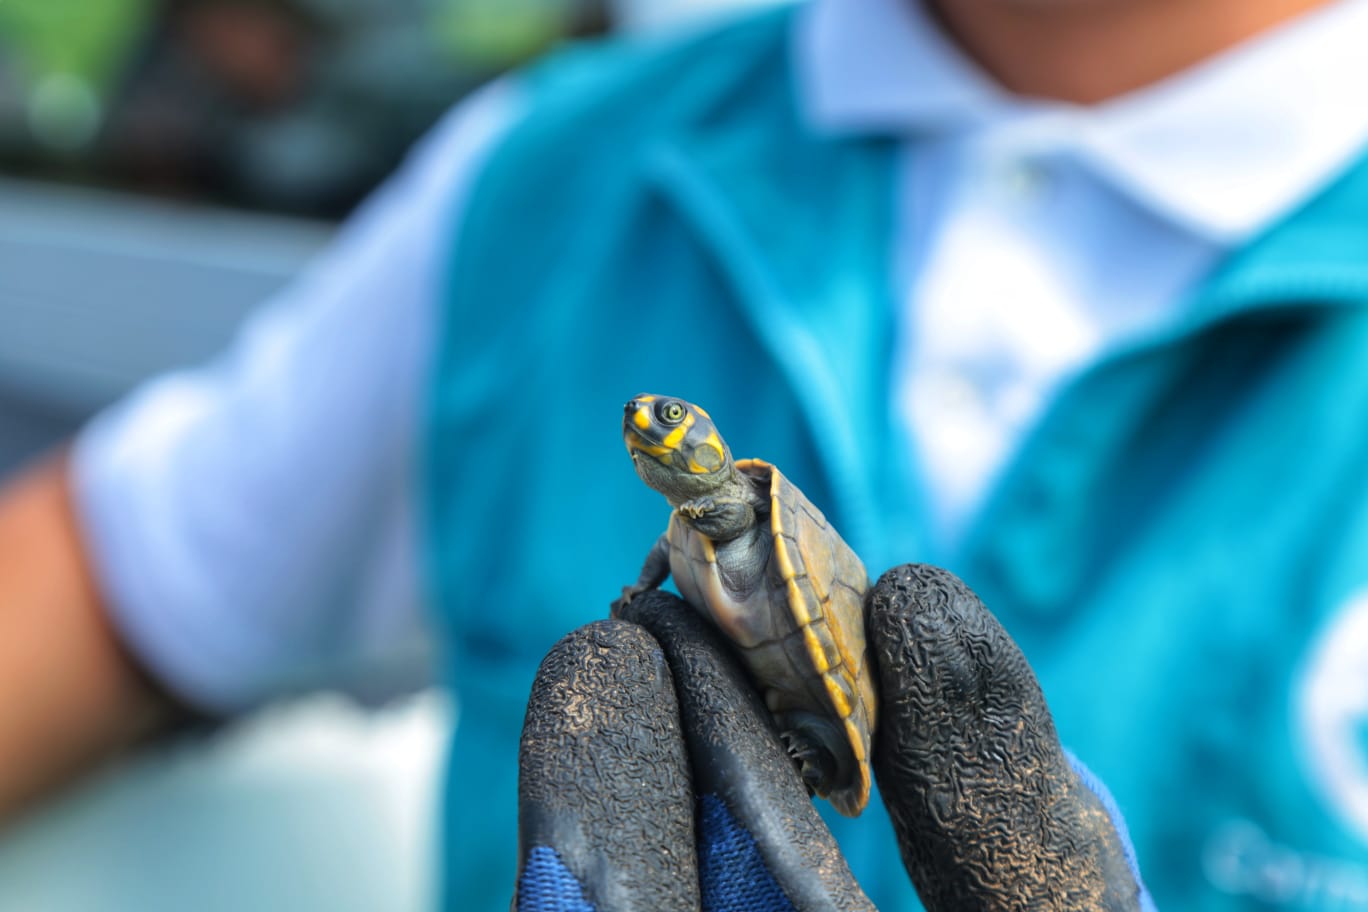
(1087, 51)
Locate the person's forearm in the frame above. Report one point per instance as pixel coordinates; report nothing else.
(69, 693)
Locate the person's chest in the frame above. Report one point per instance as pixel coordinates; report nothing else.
(1016, 268)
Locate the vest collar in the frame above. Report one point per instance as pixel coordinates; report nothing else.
(801, 225)
(804, 244)
(1317, 255)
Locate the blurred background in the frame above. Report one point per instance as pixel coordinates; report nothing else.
(164, 166)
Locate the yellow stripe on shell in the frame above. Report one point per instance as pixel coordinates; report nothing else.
(781, 552)
(798, 604)
(838, 697)
(815, 650)
(867, 695)
(856, 740)
(777, 530)
(814, 582)
(846, 658)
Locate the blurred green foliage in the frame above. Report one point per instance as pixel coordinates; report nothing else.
(501, 32)
(295, 105)
(87, 39)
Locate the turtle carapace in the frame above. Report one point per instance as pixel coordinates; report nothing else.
(753, 554)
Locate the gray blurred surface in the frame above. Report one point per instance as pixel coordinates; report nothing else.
(317, 805)
(312, 806)
(98, 291)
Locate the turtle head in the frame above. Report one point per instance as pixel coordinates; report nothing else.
(675, 447)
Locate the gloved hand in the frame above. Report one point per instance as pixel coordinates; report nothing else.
(651, 776)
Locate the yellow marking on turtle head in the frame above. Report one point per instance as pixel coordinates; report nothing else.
(672, 439)
(642, 418)
(637, 442)
(708, 456)
(703, 412)
(646, 397)
(676, 437)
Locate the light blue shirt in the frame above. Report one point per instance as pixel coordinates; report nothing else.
(251, 521)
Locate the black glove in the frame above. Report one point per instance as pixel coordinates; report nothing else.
(651, 776)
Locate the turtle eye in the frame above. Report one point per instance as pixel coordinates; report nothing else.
(671, 411)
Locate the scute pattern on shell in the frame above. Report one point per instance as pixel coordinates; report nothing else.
(826, 583)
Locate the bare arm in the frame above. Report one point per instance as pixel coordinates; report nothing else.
(70, 695)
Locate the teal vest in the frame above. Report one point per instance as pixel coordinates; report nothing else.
(1173, 547)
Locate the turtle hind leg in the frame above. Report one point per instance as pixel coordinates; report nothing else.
(654, 571)
(816, 747)
(813, 763)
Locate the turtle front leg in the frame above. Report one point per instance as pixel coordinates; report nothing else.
(719, 518)
(653, 572)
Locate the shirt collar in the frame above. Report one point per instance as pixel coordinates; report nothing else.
(1223, 149)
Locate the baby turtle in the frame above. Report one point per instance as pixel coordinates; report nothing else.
(749, 551)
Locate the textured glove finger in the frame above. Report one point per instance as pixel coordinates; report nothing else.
(988, 811)
(605, 805)
(762, 844)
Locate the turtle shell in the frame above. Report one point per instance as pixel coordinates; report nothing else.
(822, 582)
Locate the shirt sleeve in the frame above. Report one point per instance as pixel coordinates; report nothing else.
(251, 522)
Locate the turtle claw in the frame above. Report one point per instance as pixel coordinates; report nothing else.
(628, 594)
(698, 507)
(808, 758)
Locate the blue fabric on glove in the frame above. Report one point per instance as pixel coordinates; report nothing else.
(731, 872)
(546, 885)
(1096, 786)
